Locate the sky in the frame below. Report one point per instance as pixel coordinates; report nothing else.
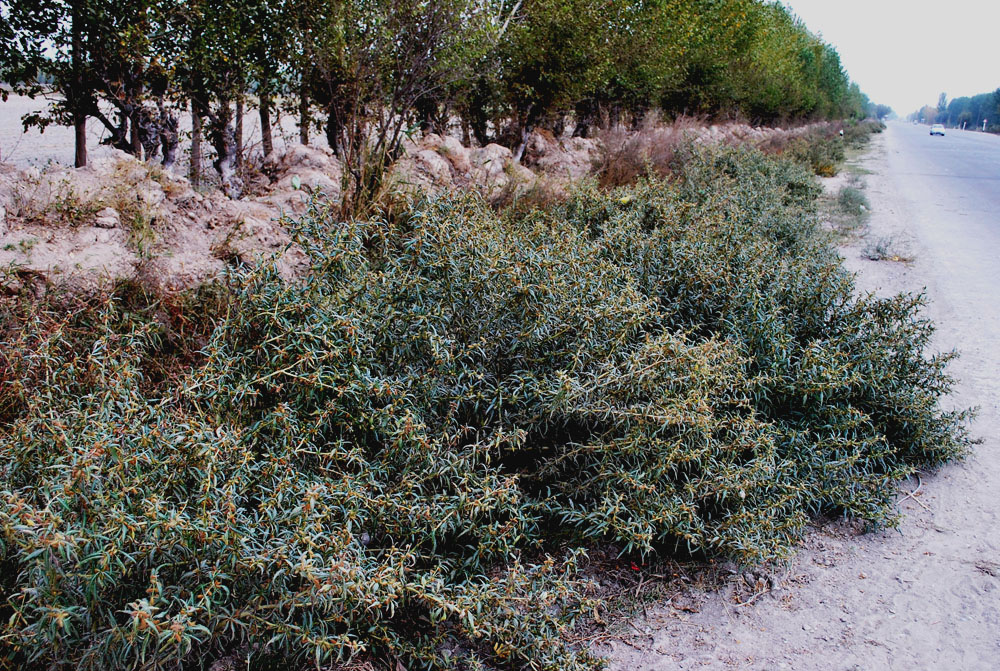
(905, 53)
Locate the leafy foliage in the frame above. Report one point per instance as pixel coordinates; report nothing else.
(962, 112)
(377, 69)
(396, 457)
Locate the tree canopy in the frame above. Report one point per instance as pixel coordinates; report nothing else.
(362, 67)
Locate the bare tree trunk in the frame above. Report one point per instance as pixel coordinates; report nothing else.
(224, 141)
(135, 141)
(615, 115)
(528, 125)
(151, 131)
(79, 118)
(333, 130)
(585, 114)
(80, 139)
(239, 132)
(523, 143)
(265, 124)
(196, 134)
(441, 120)
(303, 116)
(466, 132)
(168, 135)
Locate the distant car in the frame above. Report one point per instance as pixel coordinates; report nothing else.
(937, 129)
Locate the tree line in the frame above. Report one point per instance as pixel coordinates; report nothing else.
(966, 111)
(367, 73)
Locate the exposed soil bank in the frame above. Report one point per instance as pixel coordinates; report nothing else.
(119, 218)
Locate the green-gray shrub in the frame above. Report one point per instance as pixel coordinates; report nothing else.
(376, 460)
(857, 134)
(853, 202)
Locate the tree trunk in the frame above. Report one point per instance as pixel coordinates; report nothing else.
(333, 129)
(151, 131)
(168, 135)
(523, 143)
(479, 123)
(79, 118)
(426, 109)
(196, 134)
(559, 126)
(265, 124)
(80, 139)
(528, 125)
(585, 113)
(615, 116)
(239, 133)
(303, 116)
(135, 121)
(223, 139)
(466, 132)
(442, 119)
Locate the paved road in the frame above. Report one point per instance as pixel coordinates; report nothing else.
(949, 188)
(961, 169)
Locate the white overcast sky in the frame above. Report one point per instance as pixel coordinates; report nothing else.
(905, 53)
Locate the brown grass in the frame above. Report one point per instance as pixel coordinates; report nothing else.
(628, 156)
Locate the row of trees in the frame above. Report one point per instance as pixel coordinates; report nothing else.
(969, 111)
(369, 71)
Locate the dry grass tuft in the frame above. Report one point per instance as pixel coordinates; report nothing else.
(629, 156)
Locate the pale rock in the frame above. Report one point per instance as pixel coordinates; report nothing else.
(457, 154)
(300, 172)
(429, 141)
(540, 143)
(108, 218)
(490, 161)
(310, 180)
(103, 236)
(150, 193)
(305, 156)
(435, 166)
(571, 159)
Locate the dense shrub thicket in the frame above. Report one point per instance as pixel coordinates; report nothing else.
(397, 457)
(823, 149)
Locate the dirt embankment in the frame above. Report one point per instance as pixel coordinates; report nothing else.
(122, 218)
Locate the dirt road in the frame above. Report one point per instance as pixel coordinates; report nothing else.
(927, 595)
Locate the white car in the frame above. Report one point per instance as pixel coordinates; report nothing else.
(937, 129)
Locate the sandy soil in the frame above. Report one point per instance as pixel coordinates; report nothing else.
(923, 596)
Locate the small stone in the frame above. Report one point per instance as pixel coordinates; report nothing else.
(107, 218)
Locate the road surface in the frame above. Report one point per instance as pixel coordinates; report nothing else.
(925, 596)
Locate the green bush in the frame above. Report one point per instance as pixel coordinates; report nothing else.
(858, 133)
(395, 457)
(852, 201)
(822, 153)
